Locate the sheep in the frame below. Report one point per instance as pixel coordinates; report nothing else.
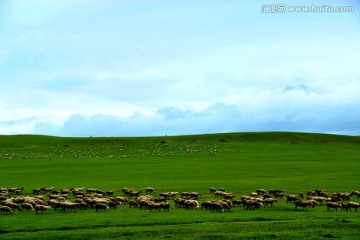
(217, 207)
(41, 208)
(68, 206)
(212, 190)
(350, 205)
(179, 202)
(64, 191)
(13, 206)
(122, 200)
(303, 204)
(236, 202)
(225, 204)
(275, 191)
(184, 194)
(164, 195)
(144, 204)
(36, 191)
(270, 201)
(5, 210)
(356, 193)
(334, 206)
(27, 206)
(101, 206)
(172, 194)
(133, 203)
(319, 200)
(191, 204)
(207, 205)
(228, 196)
(261, 191)
(219, 193)
(113, 203)
(83, 205)
(154, 206)
(134, 194)
(251, 204)
(291, 198)
(254, 194)
(160, 199)
(146, 197)
(150, 190)
(110, 193)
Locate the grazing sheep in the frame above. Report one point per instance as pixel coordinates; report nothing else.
(101, 206)
(228, 196)
(356, 193)
(291, 198)
(133, 203)
(254, 194)
(206, 204)
(41, 208)
(251, 204)
(270, 201)
(185, 195)
(179, 202)
(212, 190)
(113, 204)
(134, 194)
(172, 194)
(217, 207)
(303, 204)
(319, 200)
(236, 202)
(154, 206)
(110, 193)
(354, 205)
(275, 191)
(84, 205)
(68, 206)
(219, 193)
(226, 204)
(150, 190)
(144, 204)
(165, 206)
(36, 191)
(122, 200)
(13, 206)
(334, 206)
(5, 210)
(191, 204)
(164, 195)
(261, 191)
(27, 206)
(160, 199)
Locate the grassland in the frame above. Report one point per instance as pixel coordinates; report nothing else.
(239, 162)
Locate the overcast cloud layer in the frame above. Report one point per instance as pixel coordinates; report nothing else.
(140, 68)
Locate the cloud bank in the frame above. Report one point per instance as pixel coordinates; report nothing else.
(131, 68)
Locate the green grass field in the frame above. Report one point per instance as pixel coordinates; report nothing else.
(239, 162)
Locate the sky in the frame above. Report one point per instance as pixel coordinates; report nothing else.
(153, 68)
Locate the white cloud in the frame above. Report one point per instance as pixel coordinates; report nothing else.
(175, 68)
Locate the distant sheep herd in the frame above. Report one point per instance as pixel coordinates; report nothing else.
(72, 199)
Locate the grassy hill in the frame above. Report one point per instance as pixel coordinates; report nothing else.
(239, 162)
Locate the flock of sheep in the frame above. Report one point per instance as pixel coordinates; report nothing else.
(124, 150)
(44, 199)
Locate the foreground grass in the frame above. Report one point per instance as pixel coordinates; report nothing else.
(241, 163)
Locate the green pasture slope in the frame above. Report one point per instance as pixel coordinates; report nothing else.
(239, 162)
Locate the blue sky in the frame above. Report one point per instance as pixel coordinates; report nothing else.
(141, 68)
